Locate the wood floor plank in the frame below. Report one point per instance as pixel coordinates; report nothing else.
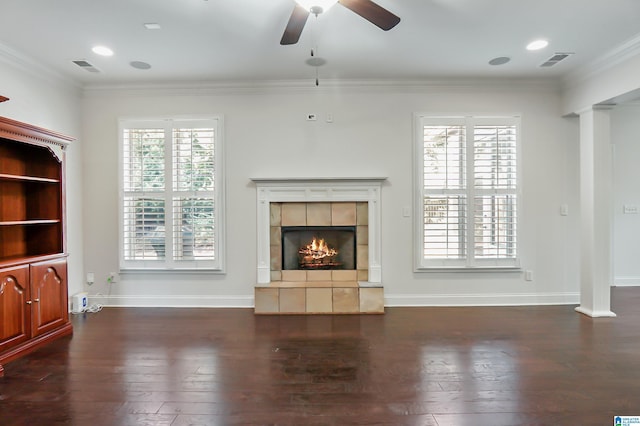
(495, 366)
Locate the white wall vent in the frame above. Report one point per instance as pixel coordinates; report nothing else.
(86, 66)
(557, 57)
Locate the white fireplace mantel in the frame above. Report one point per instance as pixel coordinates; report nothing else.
(320, 189)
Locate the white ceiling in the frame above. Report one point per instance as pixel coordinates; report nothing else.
(238, 40)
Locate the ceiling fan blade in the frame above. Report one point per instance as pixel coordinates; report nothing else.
(373, 13)
(295, 25)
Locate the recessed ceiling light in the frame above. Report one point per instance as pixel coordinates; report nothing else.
(537, 45)
(152, 26)
(500, 60)
(102, 51)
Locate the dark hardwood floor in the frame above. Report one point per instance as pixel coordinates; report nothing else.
(413, 366)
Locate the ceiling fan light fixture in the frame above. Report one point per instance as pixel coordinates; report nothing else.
(324, 5)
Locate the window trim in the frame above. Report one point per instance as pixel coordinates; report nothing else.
(470, 263)
(217, 265)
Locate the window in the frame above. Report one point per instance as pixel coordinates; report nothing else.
(171, 193)
(468, 186)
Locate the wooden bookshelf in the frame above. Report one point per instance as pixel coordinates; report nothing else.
(33, 258)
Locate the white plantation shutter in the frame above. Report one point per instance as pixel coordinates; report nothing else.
(193, 159)
(444, 157)
(444, 191)
(444, 226)
(469, 187)
(171, 191)
(495, 181)
(144, 183)
(143, 159)
(144, 237)
(193, 186)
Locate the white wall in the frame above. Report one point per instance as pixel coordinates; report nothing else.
(266, 135)
(47, 101)
(625, 135)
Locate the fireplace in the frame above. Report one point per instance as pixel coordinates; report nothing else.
(316, 248)
(319, 202)
(318, 245)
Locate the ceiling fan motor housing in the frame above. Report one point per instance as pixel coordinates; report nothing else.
(316, 10)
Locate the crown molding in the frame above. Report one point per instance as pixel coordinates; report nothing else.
(615, 56)
(204, 88)
(25, 63)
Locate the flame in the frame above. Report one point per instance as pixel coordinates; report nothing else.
(318, 249)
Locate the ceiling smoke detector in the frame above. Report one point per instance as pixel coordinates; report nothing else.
(557, 57)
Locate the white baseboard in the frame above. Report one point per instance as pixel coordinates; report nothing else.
(595, 314)
(391, 300)
(172, 301)
(482, 299)
(626, 281)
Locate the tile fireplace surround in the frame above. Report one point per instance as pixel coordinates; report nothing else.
(319, 202)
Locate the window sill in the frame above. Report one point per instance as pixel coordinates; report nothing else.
(162, 271)
(464, 269)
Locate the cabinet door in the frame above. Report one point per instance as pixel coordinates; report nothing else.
(15, 312)
(49, 295)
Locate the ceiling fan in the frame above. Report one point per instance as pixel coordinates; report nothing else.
(369, 10)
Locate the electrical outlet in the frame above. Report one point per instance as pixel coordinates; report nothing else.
(91, 278)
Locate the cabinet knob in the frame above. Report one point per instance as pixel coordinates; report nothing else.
(28, 302)
(36, 300)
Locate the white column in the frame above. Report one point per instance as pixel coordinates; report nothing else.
(596, 182)
(263, 237)
(375, 246)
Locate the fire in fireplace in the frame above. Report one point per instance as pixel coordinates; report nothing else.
(317, 254)
(318, 247)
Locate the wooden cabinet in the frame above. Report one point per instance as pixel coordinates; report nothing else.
(33, 266)
(49, 307)
(16, 315)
